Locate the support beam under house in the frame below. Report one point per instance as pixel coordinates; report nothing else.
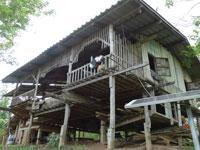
(27, 134)
(192, 128)
(111, 130)
(63, 131)
(39, 134)
(103, 132)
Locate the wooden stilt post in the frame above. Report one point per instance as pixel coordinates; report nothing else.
(175, 111)
(111, 130)
(27, 133)
(17, 138)
(147, 129)
(63, 131)
(180, 143)
(153, 107)
(168, 112)
(79, 135)
(126, 135)
(39, 134)
(83, 134)
(103, 132)
(22, 133)
(192, 128)
(179, 115)
(16, 132)
(3, 140)
(198, 125)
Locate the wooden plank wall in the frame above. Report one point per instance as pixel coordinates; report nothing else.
(130, 53)
(178, 74)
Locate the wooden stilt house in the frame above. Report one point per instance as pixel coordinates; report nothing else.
(82, 83)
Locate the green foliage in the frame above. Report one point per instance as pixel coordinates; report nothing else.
(90, 135)
(169, 3)
(196, 32)
(192, 51)
(4, 102)
(53, 140)
(69, 147)
(14, 16)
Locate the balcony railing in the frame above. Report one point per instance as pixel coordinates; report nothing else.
(111, 63)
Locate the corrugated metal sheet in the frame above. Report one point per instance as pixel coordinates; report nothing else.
(166, 33)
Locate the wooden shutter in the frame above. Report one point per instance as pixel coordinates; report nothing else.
(162, 66)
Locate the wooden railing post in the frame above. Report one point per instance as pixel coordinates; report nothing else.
(69, 74)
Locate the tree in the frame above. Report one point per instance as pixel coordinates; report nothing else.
(4, 102)
(191, 51)
(15, 16)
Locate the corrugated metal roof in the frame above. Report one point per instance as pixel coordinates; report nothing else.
(166, 33)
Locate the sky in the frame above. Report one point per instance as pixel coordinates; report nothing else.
(44, 31)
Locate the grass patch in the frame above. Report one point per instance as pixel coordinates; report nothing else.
(69, 147)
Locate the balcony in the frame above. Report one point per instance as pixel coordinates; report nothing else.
(111, 64)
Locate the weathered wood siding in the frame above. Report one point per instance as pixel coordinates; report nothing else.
(178, 74)
(130, 53)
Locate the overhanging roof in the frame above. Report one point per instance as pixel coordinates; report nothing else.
(140, 19)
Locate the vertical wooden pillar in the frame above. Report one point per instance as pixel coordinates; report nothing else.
(192, 128)
(69, 70)
(180, 143)
(27, 133)
(79, 134)
(83, 134)
(168, 112)
(175, 111)
(153, 107)
(147, 129)
(126, 135)
(3, 140)
(103, 132)
(198, 125)
(111, 130)
(17, 137)
(39, 134)
(16, 132)
(63, 131)
(179, 115)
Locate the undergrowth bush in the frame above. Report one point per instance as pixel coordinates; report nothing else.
(53, 140)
